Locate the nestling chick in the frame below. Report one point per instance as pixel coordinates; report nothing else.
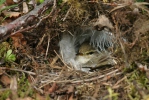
(89, 57)
(85, 53)
(88, 47)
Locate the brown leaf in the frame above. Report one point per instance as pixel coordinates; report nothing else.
(5, 80)
(11, 14)
(53, 88)
(46, 88)
(9, 2)
(31, 79)
(71, 97)
(97, 88)
(70, 89)
(18, 40)
(25, 8)
(14, 87)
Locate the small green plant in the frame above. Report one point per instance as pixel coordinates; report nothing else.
(9, 57)
(2, 1)
(6, 52)
(4, 95)
(60, 1)
(41, 1)
(112, 95)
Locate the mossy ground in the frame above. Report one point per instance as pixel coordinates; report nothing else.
(40, 74)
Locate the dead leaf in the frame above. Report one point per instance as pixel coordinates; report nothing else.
(31, 79)
(8, 13)
(46, 88)
(5, 80)
(70, 89)
(9, 2)
(18, 40)
(25, 8)
(14, 87)
(97, 88)
(71, 97)
(53, 88)
(11, 14)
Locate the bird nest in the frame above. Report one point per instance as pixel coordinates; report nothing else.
(66, 82)
(50, 74)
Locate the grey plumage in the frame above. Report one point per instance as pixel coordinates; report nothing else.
(100, 40)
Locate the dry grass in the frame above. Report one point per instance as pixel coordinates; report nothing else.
(40, 63)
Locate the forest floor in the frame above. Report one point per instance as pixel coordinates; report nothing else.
(31, 67)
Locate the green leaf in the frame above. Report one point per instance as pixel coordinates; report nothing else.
(8, 7)
(41, 1)
(2, 1)
(8, 53)
(9, 57)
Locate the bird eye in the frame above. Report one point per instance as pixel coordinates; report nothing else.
(89, 53)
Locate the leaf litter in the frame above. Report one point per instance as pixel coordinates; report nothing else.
(40, 66)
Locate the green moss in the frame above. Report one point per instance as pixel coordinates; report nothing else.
(24, 88)
(137, 81)
(4, 95)
(112, 95)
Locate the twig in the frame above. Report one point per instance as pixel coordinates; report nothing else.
(125, 55)
(98, 77)
(32, 73)
(45, 17)
(23, 21)
(48, 46)
(67, 13)
(61, 59)
(119, 81)
(4, 89)
(112, 73)
(40, 42)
